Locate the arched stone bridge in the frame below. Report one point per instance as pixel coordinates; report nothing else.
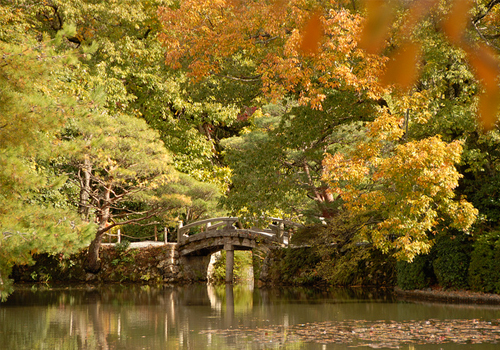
(198, 240)
(189, 257)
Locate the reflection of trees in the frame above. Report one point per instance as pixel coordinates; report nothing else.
(134, 317)
(127, 317)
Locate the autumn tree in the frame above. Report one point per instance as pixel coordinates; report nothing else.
(310, 53)
(265, 51)
(277, 167)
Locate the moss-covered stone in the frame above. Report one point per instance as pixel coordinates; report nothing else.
(145, 265)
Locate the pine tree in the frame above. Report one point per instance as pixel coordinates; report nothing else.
(31, 111)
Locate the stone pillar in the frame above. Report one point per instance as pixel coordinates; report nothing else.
(281, 230)
(179, 235)
(229, 262)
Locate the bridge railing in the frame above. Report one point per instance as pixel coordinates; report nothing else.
(275, 230)
(209, 224)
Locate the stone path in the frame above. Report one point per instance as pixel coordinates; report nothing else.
(144, 244)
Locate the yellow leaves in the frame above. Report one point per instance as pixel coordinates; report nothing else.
(387, 126)
(337, 168)
(410, 187)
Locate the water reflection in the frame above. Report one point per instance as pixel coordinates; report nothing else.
(188, 317)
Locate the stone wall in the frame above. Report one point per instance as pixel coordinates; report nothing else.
(160, 264)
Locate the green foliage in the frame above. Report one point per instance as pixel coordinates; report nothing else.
(242, 266)
(481, 165)
(277, 166)
(414, 275)
(354, 265)
(203, 198)
(32, 108)
(447, 264)
(451, 260)
(298, 266)
(484, 270)
(122, 247)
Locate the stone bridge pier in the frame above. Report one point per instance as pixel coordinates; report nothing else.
(195, 267)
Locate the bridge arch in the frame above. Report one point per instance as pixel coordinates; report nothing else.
(200, 239)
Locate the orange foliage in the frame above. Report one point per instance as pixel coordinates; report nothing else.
(402, 66)
(291, 48)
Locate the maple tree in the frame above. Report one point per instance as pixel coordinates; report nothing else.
(211, 43)
(308, 52)
(209, 39)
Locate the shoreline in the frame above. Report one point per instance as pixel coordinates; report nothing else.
(448, 296)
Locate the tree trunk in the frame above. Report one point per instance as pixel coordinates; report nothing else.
(93, 262)
(323, 198)
(83, 206)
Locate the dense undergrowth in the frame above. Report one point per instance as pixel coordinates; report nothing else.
(457, 261)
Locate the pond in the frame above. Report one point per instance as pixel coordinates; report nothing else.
(237, 317)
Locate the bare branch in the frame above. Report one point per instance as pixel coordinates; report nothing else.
(131, 221)
(488, 42)
(242, 78)
(489, 7)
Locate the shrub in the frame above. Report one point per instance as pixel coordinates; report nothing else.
(452, 258)
(347, 259)
(484, 268)
(121, 247)
(415, 275)
(357, 265)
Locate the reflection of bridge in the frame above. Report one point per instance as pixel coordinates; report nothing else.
(202, 238)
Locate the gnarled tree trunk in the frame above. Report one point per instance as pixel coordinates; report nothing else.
(93, 262)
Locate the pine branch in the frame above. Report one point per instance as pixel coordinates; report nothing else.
(131, 221)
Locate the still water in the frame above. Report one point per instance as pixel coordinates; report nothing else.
(240, 317)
